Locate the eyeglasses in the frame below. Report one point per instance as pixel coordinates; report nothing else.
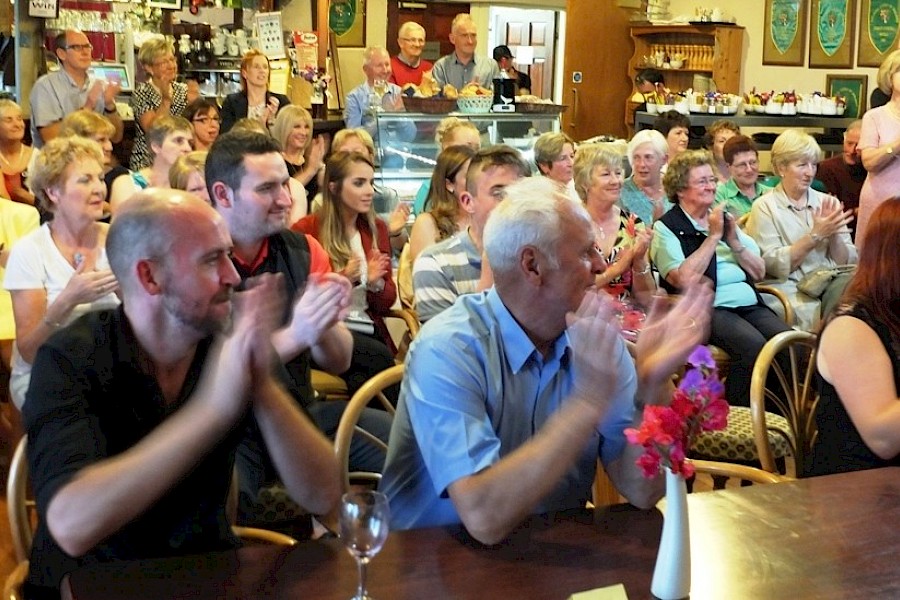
(79, 47)
(413, 40)
(469, 36)
(205, 120)
(704, 181)
(747, 164)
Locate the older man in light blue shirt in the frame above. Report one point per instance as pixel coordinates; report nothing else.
(360, 112)
(510, 396)
(462, 66)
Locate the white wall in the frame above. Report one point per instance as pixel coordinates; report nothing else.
(750, 14)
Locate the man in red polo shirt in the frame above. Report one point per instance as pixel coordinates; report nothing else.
(408, 66)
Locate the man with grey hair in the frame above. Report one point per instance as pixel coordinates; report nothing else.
(462, 66)
(366, 98)
(134, 414)
(511, 395)
(71, 88)
(844, 174)
(408, 66)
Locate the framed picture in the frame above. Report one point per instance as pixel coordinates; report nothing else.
(832, 27)
(166, 4)
(853, 88)
(48, 9)
(879, 26)
(347, 20)
(784, 39)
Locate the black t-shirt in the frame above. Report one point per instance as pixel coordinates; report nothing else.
(90, 400)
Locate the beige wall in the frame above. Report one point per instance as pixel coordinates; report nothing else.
(750, 14)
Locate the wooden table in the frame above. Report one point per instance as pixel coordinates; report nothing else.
(828, 537)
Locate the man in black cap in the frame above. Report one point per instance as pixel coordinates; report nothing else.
(504, 59)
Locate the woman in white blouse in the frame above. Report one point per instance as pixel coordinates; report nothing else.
(59, 271)
(799, 229)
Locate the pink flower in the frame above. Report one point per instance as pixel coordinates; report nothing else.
(667, 432)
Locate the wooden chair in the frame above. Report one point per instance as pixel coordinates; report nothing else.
(795, 396)
(734, 471)
(348, 427)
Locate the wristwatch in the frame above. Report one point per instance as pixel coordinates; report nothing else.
(815, 237)
(889, 150)
(110, 111)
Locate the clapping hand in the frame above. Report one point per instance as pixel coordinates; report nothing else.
(272, 107)
(671, 332)
(398, 218)
(379, 265)
(94, 94)
(717, 222)
(594, 334)
(830, 217)
(351, 270)
(317, 153)
(89, 285)
(324, 302)
(642, 239)
(110, 92)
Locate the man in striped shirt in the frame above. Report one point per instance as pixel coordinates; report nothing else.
(453, 267)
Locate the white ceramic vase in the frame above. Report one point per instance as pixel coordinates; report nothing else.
(672, 573)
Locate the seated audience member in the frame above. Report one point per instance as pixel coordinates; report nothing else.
(493, 428)
(303, 155)
(360, 110)
(241, 167)
(169, 137)
(461, 66)
(504, 57)
(160, 96)
(799, 229)
(15, 154)
(858, 360)
(188, 174)
(676, 128)
(444, 215)
(621, 237)
(254, 101)
(16, 221)
(60, 271)
(451, 131)
(71, 88)
(554, 156)
(386, 201)
(356, 241)
(408, 66)
(131, 439)
(844, 175)
(456, 266)
(120, 183)
(203, 115)
(643, 193)
(717, 134)
(692, 242)
(743, 187)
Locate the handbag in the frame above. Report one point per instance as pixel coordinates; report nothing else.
(816, 282)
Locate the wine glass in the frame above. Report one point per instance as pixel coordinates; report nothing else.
(364, 528)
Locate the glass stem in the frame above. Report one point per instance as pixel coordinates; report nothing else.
(361, 563)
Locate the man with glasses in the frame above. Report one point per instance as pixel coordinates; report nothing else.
(743, 187)
(71, 88)
(408, 66)
(462, 67)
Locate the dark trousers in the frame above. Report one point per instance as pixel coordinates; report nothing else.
(370, 357)
(742, 332)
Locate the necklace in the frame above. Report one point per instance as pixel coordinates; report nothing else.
(18, 160)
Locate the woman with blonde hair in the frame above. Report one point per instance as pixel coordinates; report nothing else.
(879, 145)
(554, 156)
(451, 131)
(14, 154)
(800, 230)
(119, 181)
(622, 238)
(160, 95)
(187, 173)
(59, 271)
(254, 101)
(303, 155)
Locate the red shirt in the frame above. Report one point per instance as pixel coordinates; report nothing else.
(402, 73)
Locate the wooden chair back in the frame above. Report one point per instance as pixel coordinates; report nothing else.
(794, 395)
(348, 427)
(735, 471)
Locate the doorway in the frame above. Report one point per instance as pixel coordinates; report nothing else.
(532, 37)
